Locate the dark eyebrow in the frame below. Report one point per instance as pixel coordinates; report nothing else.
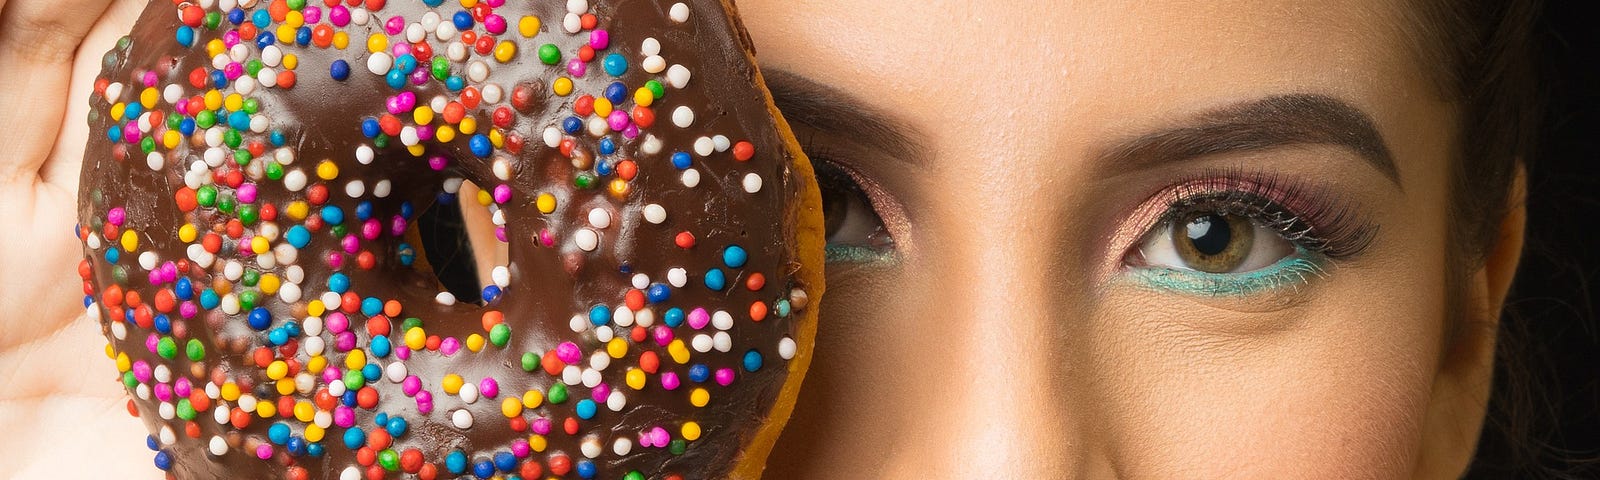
(1256, 125)
(838, 113)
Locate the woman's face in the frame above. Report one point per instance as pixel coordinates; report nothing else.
(1159, 239)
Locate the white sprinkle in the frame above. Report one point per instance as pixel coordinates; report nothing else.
(382, 189)
(655, 214)
(268, 77)
(599, 360)
(457, 50)
(721, 320)
(577, 323)
(603, 333)
(147, 260)
(622, 316)
(677, 277)
(446, 32)
(722, 142)
(644, 317)
(315, 345)
(232, 270)
(492, 93)
(118, 329)
(330, 300)
(591, 377)
(683, 116)
(271, 56)
(379, 63)
(365, 155)
(752, 183)
(651, 46)
(415, 33)
(452, 185)
(214, 157)
(578, 7)
(722, 342)
(701, 343)
(571, 23)
(654, 64)
(355, 189)
(350, 473)
(572, 375)
(478, 71)
(295, 274)
(461, 418)
(429, 21)
(283, 156)
(395, 372)
(155, 160)
(409, 136)
(552, 137)
(168, 437)
(445, 298)
(289, 292)
(704, 146)
(591, 447)
(651, 145)
(162, 373)
(621, 447)
(679, 12)
(786, 348)
(640, 281)
(438, 103)
(166, 411)
(691, 178)
(616, 401)
(172, 93)
(468, 393)
(502, 168)
(359, 16)
(501, 275)
(114, 90)
(599, 218)
(586, 239)
(678, 76)
(598, 126)
(312, 326)
(218, 445)
(295, 180)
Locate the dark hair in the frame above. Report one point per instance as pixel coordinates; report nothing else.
(1487, 51)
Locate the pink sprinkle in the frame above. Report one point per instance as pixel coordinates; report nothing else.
(188, 309)
(264, 451)
(546, 238)
(663, 335)
(540, 425)
(660, 436)
(345, 341)
(669, 381)
(397, 225)
(312, 14)
(337, 322)
(495, 24)
(502, 193)
(233, 70)
(163, 392)
(424, 132)
(343, 416)
(724, 376)
(403, 353)
(500, 234)
(401, 48)
(698, 318)
(141, 371)
(520, 448)
(182, 387)
(116, 216)
(569, 352)
(395, 25)
(247, 193)
(150, 78)
(631, 132)
(151, 341)
(424, 407)
(230, 39)
(577, 68)
(370, 229)
(599, 39)
(488, 387)
(600, 392)
(330, 375)
(438, 163)
(339, 15)
(335, 260)
(618, 120)
(411, 385)
(496, 3)
(350, 243)
(450, 346)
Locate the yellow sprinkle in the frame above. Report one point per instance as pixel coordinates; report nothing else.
(124, 363)
(511, 407)
(505, 51)
(416, 150)
(484, 198)
(233, 102)
(298, 210)
(469, 3)
(130, 240)
(213, 99)
(187, 233)
(532, 399)
(171, 139)
(691, 431)
(636, 379)
(304, 411)
(229, 391)
(316, 364)
(314, 433)
(111, 352)
(562, 86)
(699, 397)
(445, 134)
(341, 40)
(149, 97)
(496, 139)
(294, 19)
(269, 283)
(266, 409)
(475, 342)
(678, 352)
(259, 244)
(286, 386)
(416, 339)
(290, 61)
(528, 26)
(286, 34)
(377, 43)
(616, 347)
(277, 369)
(643, 97)
(469, 124)
(423, 115)
(215, 47)
(546, 202)
(536, 442)
(451, 384)
(327, 170)
(355, 359)
(618, 187)
(315, 308)
(602, 106)
(117, 110)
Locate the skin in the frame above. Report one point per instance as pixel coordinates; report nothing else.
(1011, 338)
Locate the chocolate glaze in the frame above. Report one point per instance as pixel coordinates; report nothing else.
(321, 119)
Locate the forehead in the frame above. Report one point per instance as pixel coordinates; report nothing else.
(1094, 68)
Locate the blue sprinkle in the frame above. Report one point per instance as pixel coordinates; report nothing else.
(151, 443)
(298, 236)
(276, 137)
(455, 462)
(607, 146)
(681, 160)
(505, 461)
(395, 79)
(371, 306)
(490, 293)
(372, 371)
(396, 426)
(699, 372)
(433, 3)
(615, 64)
(114, 134)
(292, 327)
(586, 469)
(355, 437)
(133, 110)
(239, 120)
(734, 256)
(658, 292)
(338, 283)
(673, 317)
(349, 397)
(183, 289)
(483, 469)
(340, 70)
(219, 79)
(752, 360)
(380, 419)
(480, 146)
(265, 39)
(370, 128)
(236, 16)
(186, 127)
(586, 409)
(455, 83)
(407, 209)
(209, 299)
(616, 92)
(260, 318)
(333, 215)
(302, 36)
(314, 449)
(296, 446)
(163, 460)
(278, 433)
(380, 346)
(162, 323)
(406, 63)
(261, 18)
(364, 210)
(599, 315)
(463, 20)
(604, 168)
(715, 279)
(278, 336)
(185, 36)
(571, 125)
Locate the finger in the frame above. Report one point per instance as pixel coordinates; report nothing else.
(66, 158)
(37, 42)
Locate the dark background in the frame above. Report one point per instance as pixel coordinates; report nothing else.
(1549, 424)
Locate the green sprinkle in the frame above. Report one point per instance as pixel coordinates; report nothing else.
(167, 348)
(550, 54)
(557, 393)
(530, 362)
(196, 350)
(499, 335)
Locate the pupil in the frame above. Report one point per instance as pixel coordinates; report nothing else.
(1209, 234)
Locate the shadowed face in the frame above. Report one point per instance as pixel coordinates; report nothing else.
(1159, 240)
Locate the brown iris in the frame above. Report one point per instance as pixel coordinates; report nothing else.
(1213, 242)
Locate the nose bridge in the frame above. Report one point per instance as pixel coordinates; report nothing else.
(997, 411)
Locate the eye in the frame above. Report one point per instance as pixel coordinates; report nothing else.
(855, 232)
(1214, 242)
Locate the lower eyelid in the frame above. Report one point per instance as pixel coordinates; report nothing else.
(1294, 271)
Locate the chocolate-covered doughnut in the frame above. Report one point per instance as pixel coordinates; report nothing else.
(248, 209)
